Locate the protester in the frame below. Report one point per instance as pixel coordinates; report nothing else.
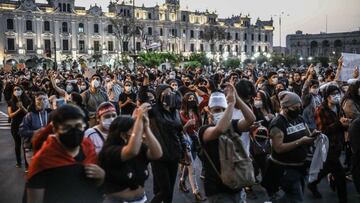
(105, 114)
(129, 148)
(65, 170)
(17, 109)
(127, 99)
(221, 109)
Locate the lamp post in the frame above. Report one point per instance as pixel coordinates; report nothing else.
(280, 16)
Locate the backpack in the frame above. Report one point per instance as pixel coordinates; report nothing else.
(260, 141)
(236, 168)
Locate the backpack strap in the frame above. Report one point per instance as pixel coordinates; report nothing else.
(97, 132)
(211, 162)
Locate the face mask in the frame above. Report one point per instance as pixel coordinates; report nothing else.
(260, 86)
(69, 88)
(169, 100)
(192, 104)
(274, 81)
(127, 88)
(83, 87)
(293, 113)
(314, 91)
(106, 123)
(171, 76)
(281, 75)
(217, 117)
(17, 93)
(95, 83)
(336, 99)
(258, 104)
(72, 138)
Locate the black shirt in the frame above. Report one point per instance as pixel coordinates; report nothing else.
(66, 184)
(212, 183)
(120, 174)
(129, 108)
(292, 130)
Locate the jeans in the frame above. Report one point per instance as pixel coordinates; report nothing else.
(17, 139)
(239, 197)
(164, 173)
(292, 183)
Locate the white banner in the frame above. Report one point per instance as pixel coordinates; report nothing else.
(350, 61)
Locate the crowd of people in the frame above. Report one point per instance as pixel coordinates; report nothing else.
(98, 139)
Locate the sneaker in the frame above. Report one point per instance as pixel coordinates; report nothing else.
(182, 186)
(331, 180)
(199, 197)
(314, 190)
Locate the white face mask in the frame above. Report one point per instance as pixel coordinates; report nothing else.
(274, 81)
(95, 83)
(336, 99)
(172, 76)
(83, 87)
(107, 122)
(258, 104)
(217, 117)
(17, 93)
(314, 91)
(69, 88)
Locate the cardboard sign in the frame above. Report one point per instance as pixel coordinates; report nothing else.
(350, 62)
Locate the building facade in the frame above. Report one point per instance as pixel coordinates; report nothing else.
(323, 44)
(59, 29)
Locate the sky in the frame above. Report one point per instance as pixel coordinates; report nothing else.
(306, 15)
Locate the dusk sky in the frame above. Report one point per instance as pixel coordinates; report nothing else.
(306, 15)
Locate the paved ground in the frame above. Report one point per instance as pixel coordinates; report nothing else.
(12, 179)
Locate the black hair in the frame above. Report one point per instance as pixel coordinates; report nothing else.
(328, 91)
(76, 98)
(352, 93)
(245, 89)
(65, 113)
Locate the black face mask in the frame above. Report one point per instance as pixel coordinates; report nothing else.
(294, 113)
(169, 100)
(192, 104)
(72, 138)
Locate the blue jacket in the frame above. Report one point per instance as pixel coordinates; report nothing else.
(32, 122)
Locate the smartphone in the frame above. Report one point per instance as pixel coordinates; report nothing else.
(60, 102)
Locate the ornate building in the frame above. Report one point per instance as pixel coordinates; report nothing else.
(323, 44)
(60, 29)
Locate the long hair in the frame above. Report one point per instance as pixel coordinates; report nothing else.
(23, 97)
(116, 135)
(352, 94)
(185, 109)
(265, 99)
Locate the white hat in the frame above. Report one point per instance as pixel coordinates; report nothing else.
(281, 70)
(218, 99)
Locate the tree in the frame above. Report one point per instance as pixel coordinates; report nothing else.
(200, 57)
(232, 63)
(192, 64)
(213, 34)
(96, 58)
(125, 28)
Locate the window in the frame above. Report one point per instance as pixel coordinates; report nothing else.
(68, 8)
(96, 28)
(266, 38)
(46, 26)
(149, 16)
(245, 48)
(110, 29)
(252, 37)
(173, 47)
(161, 32)
(174, 32)
(184, 18)
(266, 49)
(228, 36)
(191, 34)
(192, 47)
(125, 46)
(236, 36)
(245, 36)
(125, 29)
(110, 46)
(29, 44)
(11, 44)
(237, 48)
(47, 47)
(96, 46)
(81, 27)
(28, 25)
(201, 47)
(259, 37)
(66, 45)
(64, 8)
(259, 49)
(221, 48)
(228, 48)
(149, 30)
(138, 46)
(81, 45)
(60, 7)
(64, 27)
(252, 49)
(10, 24)
(201, 34)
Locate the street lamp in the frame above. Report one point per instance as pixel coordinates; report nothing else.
(280, 16)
